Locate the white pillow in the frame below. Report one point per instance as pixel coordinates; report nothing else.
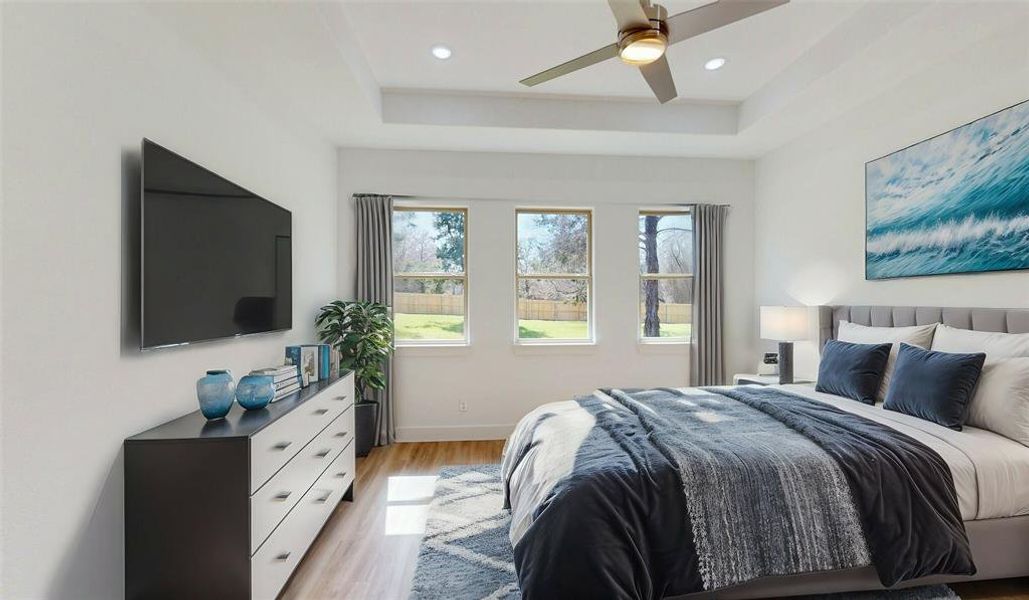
(996, 345)
(916, 335)
(1001, 400)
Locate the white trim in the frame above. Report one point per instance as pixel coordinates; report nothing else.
(682, 348)
(454, 434)
(557, 347)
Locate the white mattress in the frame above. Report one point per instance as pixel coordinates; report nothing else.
(991, 472)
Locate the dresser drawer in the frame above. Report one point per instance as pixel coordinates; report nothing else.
(274, 446)
(340, 394)
(340, 473)
(274, 500)
(273, 563)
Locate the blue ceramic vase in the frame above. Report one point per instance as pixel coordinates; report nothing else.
(254, 392)
(215, 391)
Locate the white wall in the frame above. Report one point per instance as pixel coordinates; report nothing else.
(810, 207)
(500, 381)
(1, 304)
(82, 85)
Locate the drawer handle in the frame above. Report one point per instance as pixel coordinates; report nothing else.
(324, 498)
(340, 398)
(323, 453)
(283, 556)
(282, 445)
(342, 434)
(341, 475)
(321, 411)
(281, 496)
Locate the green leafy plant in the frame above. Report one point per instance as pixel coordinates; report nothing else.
(363, 334)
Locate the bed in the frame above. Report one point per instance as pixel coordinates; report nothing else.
(600, 510)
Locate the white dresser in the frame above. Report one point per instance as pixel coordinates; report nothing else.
(228, 508)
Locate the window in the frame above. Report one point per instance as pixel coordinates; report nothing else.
(429, 277)
(553, 278)
(666, 275)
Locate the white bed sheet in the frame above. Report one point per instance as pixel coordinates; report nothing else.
(991, 472)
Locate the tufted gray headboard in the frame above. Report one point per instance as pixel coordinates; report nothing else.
(1009, 320)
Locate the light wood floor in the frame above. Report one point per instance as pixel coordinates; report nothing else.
(363, 553)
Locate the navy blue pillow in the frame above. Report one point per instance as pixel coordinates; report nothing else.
(852, 370)
(935, 386)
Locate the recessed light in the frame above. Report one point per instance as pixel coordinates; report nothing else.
(714, 64)
(441, 52)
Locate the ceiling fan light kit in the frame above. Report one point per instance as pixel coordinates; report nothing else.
(644, 33)
(642, 47)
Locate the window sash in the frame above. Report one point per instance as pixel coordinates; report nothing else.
(639, 316)
(464, 248)
(461, 276)
(661, 276)
(586, 276)
(558, 211)
(664, 213)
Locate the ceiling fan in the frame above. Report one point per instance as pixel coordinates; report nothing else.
(645, 31)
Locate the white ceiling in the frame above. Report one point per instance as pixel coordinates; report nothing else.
(496, 44)
(360, 73)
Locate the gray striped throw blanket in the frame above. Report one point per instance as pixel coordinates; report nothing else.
(651, 493)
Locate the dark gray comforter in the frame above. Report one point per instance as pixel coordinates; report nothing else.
(652, 493)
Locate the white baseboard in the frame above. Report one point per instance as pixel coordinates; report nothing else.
(454, 434)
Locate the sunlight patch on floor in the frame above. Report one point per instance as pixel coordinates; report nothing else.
(406, 519)
(410, 488)
(407, 503)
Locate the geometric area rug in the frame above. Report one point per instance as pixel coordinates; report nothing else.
(466, 552)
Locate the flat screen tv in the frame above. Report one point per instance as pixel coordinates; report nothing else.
(216, 259)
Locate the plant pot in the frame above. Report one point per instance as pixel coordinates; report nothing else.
(365, 414)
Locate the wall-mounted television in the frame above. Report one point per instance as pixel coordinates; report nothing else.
(216, 259)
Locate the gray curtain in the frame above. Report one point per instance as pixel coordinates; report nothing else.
(707, 360)
(375, 284)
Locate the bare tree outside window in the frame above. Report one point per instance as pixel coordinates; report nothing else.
(666, 275)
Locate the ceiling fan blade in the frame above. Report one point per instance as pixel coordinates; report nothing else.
(629, 14)
(709, 17)
(575, 64)
(659, 77)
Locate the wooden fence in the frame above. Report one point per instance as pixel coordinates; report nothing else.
(542, 310)
(428, 304)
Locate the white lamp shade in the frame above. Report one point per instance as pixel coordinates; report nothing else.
(784, 323)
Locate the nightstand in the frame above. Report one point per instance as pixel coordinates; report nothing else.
(752, 379)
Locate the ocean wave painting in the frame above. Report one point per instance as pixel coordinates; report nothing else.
(955, 203)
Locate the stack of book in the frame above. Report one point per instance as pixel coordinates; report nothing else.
(287, 379)
(314, 361)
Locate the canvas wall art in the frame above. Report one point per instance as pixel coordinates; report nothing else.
(955, 203)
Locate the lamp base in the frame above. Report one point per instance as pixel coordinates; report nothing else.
(785, 362)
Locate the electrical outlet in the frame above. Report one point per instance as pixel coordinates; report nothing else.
(462, 406)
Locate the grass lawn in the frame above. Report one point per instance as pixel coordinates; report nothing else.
(674, 330)
(428, 327)
(561, 330)
(451, 327)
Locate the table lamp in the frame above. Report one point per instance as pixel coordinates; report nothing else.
(784, 324)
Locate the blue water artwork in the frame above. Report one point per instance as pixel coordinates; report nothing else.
(955, 203)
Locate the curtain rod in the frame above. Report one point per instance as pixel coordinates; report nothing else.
(469, 199)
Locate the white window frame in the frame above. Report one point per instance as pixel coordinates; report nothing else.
(463, 276)
(588, 276)
(680, 340)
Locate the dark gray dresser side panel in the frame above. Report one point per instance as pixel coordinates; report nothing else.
(187, 519)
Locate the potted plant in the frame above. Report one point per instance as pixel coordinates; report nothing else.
(363, 334)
